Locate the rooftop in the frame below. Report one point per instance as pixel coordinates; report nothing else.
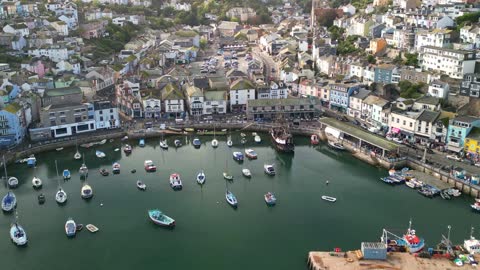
(428, 116)
(374, 100)
(474, 134)
(361, 94)
(12, 107)
(466, 119)
(55, 92)
(241, 84)
(428, 100)
(360, 133)
(281, 102)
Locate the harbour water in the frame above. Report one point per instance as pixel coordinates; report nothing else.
(209, 234)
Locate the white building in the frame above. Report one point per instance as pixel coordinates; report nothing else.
(454, 63)
(215, 102)
(56, 53)
(195, 100)
(19, 28)
(173, 100)
(470, 34)
(439, 89)
(106, 115)
(436, 38)
(241, 90)
(61, 27)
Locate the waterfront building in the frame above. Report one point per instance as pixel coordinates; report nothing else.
(152, 103)
(195, 100)
(375, 111)
(454, 63)
(402, 122)
(270, 109)
(470, 85)
(106, 115)
(273, 90)
(216, 101)
(241, 91)
(458, 130)
(438, 38)
(13, 124)
(173, 101)
(128, 98)
(425, 126)
(340, 95)
(472, 144)
(356, 102)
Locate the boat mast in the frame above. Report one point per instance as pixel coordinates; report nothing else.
(5, 167)
(471, 233)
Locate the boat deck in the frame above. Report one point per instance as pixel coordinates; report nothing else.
(395, 261)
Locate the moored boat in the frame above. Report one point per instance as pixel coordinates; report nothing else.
(243, 141)
(70, 228)
(31, 161)
(92, 228)
(314, 139)
(214, 143)
(175, 181)
(59, 149)
(454, 192)
(149, 166)
(163, 144)
(201, 178)
(161, 219)
(329, 199)
(116, 168)
(270, 199)
(100, 154)
(36, 182)
(251, 154)
(18, 234)
(227, 176)
(246, 172)
(79, 227)
(414, 183)
(189, 129)
(444, 195)
(66, 174)
(41, 198)
(141, 142)
(9, 202)
(257, 139)
(196, 143)
(12, 182)
(269, 169)
(414, 243)
(127, 149)
(476, 205)
(282, 139)
(141, 185)
(60, 196)
(336, 145)
(229, 141)
(104, 172)
(83, 171)
(238, 156)
(231, 199)
(387, 180)
(86, 192)
(77, 155)
(177, 143)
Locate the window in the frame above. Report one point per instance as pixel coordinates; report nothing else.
(101, 118)
(111, 110)
(52, 123)
(101, 112)
(411, 124)
(301, 107)
(78, 118)
(404, 122)
(398, 120)
(63, 120)
(51, 114)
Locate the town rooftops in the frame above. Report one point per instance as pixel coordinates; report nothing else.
(201, 83)
(474, 134)
(215, 95)
(241, 84)
(281, 102)
(171, 92)
(428, 100)
(386, 66)
(103, 105)
(12, 107)
(361, 94)
(228, 25)
(374, 100)
(449, 50)
(55, 92)
(428, 116)
(466, 119)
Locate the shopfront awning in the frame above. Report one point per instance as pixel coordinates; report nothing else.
(395, 130)
(454, 148)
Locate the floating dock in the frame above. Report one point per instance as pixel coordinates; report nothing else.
(352, 260)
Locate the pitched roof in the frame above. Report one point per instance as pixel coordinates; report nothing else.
(241, 84)
(428, 100)
(374, 100)
(55, 92)
(193, 91)
(215, 95)
(282, 102)
(171, 91)
(428, 116)
(361, 94)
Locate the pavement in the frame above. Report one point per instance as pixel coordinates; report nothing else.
(267, 61)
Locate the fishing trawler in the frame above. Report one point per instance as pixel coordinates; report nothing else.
(282, 138)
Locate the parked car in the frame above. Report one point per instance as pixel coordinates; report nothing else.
(397, 140)
(454, 157)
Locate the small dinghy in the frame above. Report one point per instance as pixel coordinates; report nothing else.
(79, 227)
(257, 139)
(127, 149)
(329, 199)
(86, 192)
(161, 219)
(83, 171)
(133, 171)
(61, 196)
(268, 168)
(77, 155)
(18, 234)
(92, 228)
(141, 185)
(9, 202)
(149, 166)
(243, 134)
(336, 145)
(100, 154)
(116, 168)
(66, 174)
(12, 182)
(59, 149)
(163, 144)
(196, 143)
(201, 178)
(314, 139)
(231, 199)
(227, 176)
(270, 199)
(177, 143)
(70, 228)
(124, 138)
(214, 143)
(116, 149)
(141, 142)
(41, 198)
(246, 173)
(36, 183)
(104, 172)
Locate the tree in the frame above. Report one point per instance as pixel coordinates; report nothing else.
(412, 59)
(326, 17)
(371, 59)
(346, 46)
(410, 90)
(336, 32)
(467, 18)
(203, 43)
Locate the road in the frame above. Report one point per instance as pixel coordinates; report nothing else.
(268, 63)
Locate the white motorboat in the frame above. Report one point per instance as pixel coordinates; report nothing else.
(229, 142)
(100, 154)
(246, 173)
(86, 192)
(175, 181)
(329, 199)
(336, 145)
(92, 228)
(141, 185)
(36, 182)
(61, 196)
(214, 143)
(77, 155)
(12, 182)
(257, 139)
(201, 178)
(268, 168)
(70, 228)
(227, 176)
(163, 144)
(59, 149)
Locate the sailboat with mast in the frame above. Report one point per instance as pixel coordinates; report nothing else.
(83, 171)
(17, 233)
(214, 141)
(226, 174)
(9, 201)
(61, 195)
(86, 191)
(77, 155)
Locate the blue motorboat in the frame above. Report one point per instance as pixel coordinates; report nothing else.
(270, 199)
(196, 143)
(70, 228)
(9, 202)
(387, 180)
(231, 199)
(18, 234)
(238, 156)
(161, 219)
(31, 161)
(66, 174)
(141, 143)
